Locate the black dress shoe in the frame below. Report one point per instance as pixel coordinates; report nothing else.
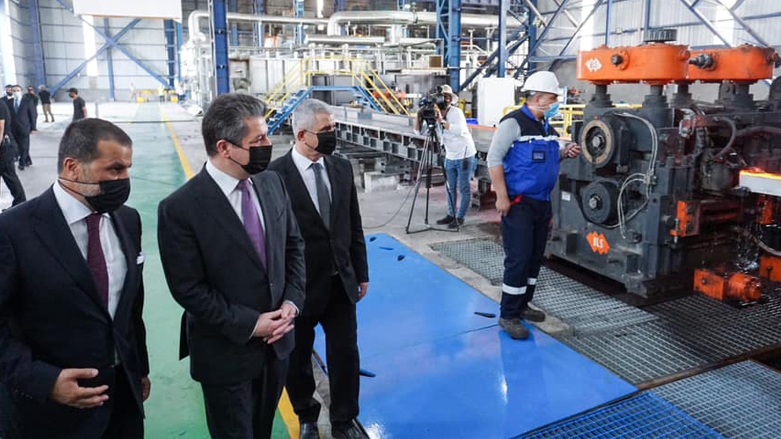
(21, 167)
(308, 430)
(446, 220)
(350, 433)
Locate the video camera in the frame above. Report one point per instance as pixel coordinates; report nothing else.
(426, 110)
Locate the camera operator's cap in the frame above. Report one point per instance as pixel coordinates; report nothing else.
(543, 81)
(447, 89)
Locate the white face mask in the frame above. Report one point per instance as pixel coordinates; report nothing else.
(18, 95)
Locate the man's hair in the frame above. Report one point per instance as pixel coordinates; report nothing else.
(226, 119)
(81, 138)
(306, 113)
(73, 90)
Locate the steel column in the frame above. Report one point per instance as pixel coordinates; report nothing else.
(298, 6)
(531, 31)
(35, 25)
(502, 62)
(454, 51)
(234, 26)
(341, 5)
(170, 46)
(218, 30)
(179, 43)
(109, 64)
(54, 89)
(647, 14)
(259, 7)
(608, 10)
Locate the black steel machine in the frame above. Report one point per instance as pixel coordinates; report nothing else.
(676, 193)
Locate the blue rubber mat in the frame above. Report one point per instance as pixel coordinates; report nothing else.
(443, 372)
(412, 301)
(642, 416)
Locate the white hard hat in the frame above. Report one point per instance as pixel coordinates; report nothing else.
(447, 89)
(543, 81)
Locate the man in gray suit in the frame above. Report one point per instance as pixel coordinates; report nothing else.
(234, 259)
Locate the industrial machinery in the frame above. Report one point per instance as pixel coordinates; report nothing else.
(675, 194)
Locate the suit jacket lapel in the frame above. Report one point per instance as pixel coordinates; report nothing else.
(298, 188)
(333, 177)
(218, 206)
(131, 253)
(57, 236)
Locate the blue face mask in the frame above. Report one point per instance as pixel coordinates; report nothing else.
(552, 110)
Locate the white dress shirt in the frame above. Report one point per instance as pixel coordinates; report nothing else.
(76, 214)
(229, 186)
(304, 166)
(457, 138)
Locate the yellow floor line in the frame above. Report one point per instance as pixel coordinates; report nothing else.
(188, 171)
(285, 407)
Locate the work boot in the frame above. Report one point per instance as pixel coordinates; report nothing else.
(308, 430)
(349, 433)
(446, 220)
(456, 223)
(532, 315)
(514, 329)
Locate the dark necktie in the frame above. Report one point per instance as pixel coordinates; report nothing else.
(16, 105)
(249, 215)
(323, 197)
(95, 258)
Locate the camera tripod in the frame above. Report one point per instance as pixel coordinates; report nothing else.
(431, 148)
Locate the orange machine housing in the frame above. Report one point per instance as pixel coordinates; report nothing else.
(770, 268)
(746, 63)
(738, 286)
(653, 63)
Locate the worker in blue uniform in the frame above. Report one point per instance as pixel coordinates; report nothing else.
(523, 162)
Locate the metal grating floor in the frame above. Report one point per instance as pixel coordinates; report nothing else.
(639, 345)
(642, 416)
(585, 309)
(742, 400)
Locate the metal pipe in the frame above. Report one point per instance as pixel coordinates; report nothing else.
(340, 40)
(409, 18)
(193, 20)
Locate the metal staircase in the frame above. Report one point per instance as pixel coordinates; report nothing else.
(367, 87)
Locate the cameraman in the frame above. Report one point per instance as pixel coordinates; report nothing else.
(460, 159)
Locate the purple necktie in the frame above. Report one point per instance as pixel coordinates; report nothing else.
(249, 216)
(95, 258)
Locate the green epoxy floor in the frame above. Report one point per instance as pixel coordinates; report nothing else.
(175, 406)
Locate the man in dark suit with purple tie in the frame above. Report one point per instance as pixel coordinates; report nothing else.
(73, 357)
(234, 259)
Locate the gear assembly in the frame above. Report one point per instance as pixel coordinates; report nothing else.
(675, 194)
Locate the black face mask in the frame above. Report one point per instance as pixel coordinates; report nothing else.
(259, 158)
(113, 194)
(326, 142)
(443, 105)
(9, 93)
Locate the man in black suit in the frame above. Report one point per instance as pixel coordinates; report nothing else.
(234, 259)
(327, 211)
(7, 155)
(24, 117)
(73, 358)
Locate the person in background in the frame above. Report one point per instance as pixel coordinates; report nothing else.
(24, 118)
(460, 157)
(46, 103)
(523, 162)
(337, 272)
(79, 105)
(161, 92)
(233, 257)
(7, 156)
(31, 93)
(73, 355)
